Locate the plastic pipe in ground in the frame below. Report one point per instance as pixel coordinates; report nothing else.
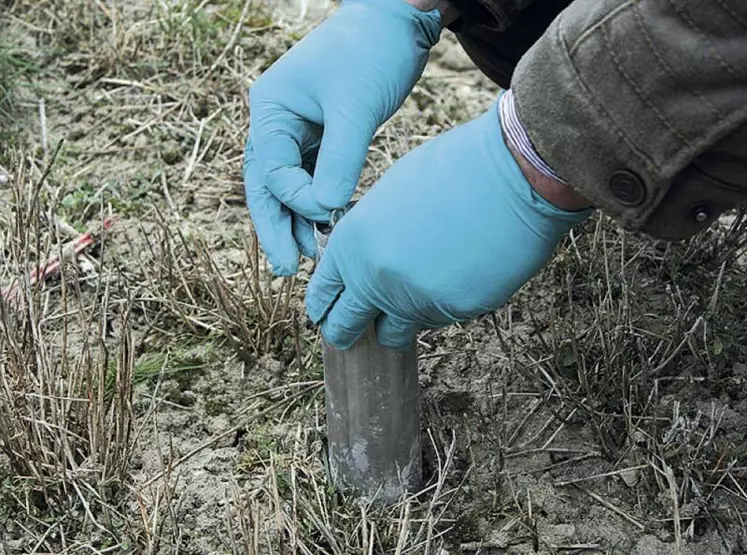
(373, 415)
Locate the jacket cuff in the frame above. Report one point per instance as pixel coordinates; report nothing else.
(573, 133)
(516, 134)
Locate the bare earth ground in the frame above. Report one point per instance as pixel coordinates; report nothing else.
(602, 411)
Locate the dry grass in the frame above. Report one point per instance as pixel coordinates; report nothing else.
(295, 511)
(65, 435)
(639, 343)
(183, 279)
(621, 360)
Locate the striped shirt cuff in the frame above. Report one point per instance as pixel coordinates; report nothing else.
(517, 136)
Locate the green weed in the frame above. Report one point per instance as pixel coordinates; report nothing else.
(182, 363)
(83, 203)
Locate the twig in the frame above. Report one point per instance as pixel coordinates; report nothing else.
(666, 470)
(560, 450)
(43, 125)
(682, 343)
(576, 547)
(193, 158)
(167, 195)
(612, 508)
(549, 467)
(229, 45)
(603, 475)
(480, 546)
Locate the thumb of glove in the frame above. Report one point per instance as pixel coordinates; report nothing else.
(342, 154)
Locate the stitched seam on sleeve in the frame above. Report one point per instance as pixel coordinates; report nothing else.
(732, 13)
(582, 38)
(641, 94)
(666, 67)
(581, 83)
(614, 128)
(685, 84)
(704, 37)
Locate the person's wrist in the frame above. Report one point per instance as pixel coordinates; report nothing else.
(447, 11)
(558, 194)
(536, 171)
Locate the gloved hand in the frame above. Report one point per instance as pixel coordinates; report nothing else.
(449, 232)
(327, 94)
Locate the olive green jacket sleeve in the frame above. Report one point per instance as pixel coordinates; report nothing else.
(641, 105)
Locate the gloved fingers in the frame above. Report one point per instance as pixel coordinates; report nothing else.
(347, 320)
(342, 154)
(395, 333)
(323, 289)
(282, 165)
(272, 221)
(303, 231)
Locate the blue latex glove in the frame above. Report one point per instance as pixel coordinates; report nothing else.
(327, 95)
(449, 232)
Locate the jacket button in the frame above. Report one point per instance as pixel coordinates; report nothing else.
(627, 188)
(701, 213)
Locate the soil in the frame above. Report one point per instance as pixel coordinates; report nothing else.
(529, 475)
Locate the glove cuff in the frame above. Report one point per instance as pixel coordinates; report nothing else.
(561, 219)
(519, 139)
